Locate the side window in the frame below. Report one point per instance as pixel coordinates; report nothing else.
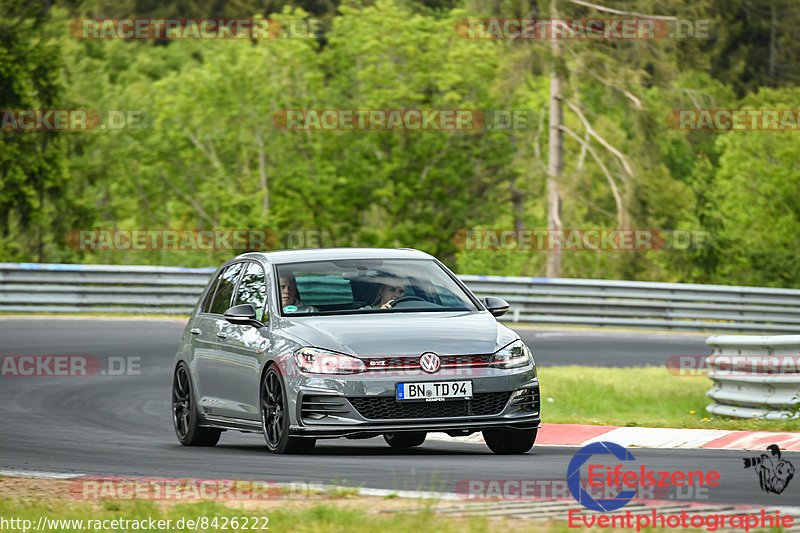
(225, 286)
(252, 289)
(204, 308)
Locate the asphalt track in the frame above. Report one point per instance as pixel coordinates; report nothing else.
(120, 425)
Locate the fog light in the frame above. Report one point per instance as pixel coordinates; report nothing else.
(525, 399)
(519, 393)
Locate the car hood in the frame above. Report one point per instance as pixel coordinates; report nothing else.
(398, 334)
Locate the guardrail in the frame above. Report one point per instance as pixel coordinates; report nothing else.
(675, 306)
(43, 287)
(34, 287)
(755, 377)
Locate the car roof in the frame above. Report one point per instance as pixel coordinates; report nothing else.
(327, 254)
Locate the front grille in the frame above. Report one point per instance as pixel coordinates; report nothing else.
(410, 363)
(316, 406)
(387, 408)
(475, 360)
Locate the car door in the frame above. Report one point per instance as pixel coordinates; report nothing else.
(242, 350)
(204, 344)
(207, 331)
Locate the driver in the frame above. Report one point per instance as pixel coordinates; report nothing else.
(391, 288)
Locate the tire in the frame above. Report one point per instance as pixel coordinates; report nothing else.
(406, 439)
(185, 418)
(275, 417)
(509, 441)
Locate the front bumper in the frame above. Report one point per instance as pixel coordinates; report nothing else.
(459, 427)
(364, 405)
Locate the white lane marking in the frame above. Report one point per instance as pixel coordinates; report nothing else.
(35, 474)
(759, 440)
(406, 494)
(660, 437)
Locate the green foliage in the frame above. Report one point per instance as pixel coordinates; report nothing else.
(32, 173)
(756, 192)
(210, 154)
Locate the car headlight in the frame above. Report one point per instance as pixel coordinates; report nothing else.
(513, 355)
(317, 361)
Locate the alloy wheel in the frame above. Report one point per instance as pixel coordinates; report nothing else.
(181, 401)
(273, 409)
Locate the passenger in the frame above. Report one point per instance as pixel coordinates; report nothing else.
(290, 302)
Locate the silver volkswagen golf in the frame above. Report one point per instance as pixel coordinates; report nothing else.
(356, 343)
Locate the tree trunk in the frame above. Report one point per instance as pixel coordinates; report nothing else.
(517, 206)
(40, 243)
(772, 25)
(262, 173)
(555, 151)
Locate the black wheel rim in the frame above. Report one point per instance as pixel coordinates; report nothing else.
(272, 409)
(181, 401)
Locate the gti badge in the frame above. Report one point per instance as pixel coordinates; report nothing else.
(430, 362)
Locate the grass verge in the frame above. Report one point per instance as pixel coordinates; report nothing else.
(649, 397)
(319, 518)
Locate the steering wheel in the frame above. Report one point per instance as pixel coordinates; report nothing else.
(406, 299)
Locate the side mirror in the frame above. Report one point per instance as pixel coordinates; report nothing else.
(496, 306)
(243, 315)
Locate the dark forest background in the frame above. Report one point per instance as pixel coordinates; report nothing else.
(211, 157)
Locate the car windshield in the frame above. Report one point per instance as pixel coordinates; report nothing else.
(356, 286)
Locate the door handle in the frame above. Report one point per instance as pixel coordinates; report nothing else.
(222, 335)
(195, 331)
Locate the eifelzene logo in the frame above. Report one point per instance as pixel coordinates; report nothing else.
(624, 475)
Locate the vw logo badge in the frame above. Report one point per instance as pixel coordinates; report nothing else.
(430, 362)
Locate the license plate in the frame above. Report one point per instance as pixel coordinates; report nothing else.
(434, 391)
